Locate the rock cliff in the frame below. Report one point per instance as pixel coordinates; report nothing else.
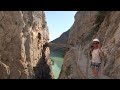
(24, 53)
(104, 25)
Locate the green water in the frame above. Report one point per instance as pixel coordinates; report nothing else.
(57, 57)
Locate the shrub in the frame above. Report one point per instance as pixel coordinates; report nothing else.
(52, 61)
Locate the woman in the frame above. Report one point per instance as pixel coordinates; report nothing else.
(96, 54)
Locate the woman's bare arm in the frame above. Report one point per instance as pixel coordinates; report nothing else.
(101, 52)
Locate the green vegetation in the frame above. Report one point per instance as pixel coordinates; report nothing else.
(60, 51)
(52, 61)
(99, 19)
(100, 16)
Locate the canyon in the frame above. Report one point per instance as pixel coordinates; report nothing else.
(25, 50)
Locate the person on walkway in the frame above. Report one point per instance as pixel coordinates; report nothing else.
(96, 55)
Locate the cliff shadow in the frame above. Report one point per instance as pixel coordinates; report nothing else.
(42, 69)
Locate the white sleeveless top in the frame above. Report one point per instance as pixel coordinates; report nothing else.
(96, 56)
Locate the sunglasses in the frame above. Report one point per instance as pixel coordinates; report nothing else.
(95, 43)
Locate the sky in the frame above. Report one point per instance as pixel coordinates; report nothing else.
(59, 22)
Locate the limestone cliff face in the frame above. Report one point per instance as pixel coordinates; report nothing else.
(105, 26)
(23, 50)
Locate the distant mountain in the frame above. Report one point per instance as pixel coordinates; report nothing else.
(63, 38)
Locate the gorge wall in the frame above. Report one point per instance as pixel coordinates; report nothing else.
(24, 53)
(104, 25)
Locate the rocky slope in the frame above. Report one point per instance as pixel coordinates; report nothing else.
(105, 26)
(63, 39)
(23, 50)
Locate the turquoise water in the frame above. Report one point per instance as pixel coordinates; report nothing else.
(57, 57)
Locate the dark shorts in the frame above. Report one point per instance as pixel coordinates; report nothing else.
(95, 65)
